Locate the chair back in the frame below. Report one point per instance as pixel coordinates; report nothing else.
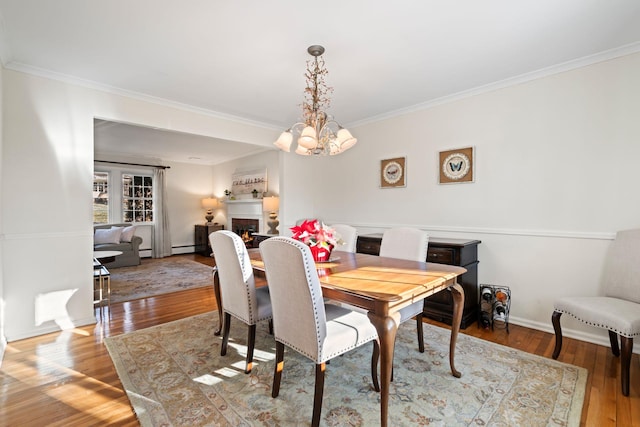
(349, 236)
(622, 267)
(237, 284)
(405, 243)
(299, 319)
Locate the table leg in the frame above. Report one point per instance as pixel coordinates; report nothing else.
(216, 291)
(387, 326)
(458, 304)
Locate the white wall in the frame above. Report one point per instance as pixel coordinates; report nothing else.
(47, 157)
(556, 177)
(187, 185)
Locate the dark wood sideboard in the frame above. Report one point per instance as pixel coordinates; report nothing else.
(459, 252)
(201, 237)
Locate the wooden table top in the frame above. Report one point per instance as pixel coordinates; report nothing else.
(371, 277)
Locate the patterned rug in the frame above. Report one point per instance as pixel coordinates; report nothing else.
(158, 276)
(174, 375)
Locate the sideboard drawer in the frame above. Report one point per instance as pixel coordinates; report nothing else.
(440, 255)
(368, 246)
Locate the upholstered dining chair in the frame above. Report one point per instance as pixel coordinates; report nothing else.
(411, 244)
(349, 236)
(240, 297)
(301, 319)
(618, 310)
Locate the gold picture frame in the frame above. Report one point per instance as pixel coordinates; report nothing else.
(457, 166)
(393, 172)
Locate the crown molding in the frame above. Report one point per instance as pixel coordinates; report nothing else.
(65, 78)
(618, 52)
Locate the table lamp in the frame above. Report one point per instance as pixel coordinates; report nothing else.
(209, 204)
(271, 204)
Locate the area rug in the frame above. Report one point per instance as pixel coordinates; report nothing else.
(174, 376)
(158, 276)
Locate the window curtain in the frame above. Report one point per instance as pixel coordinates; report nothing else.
(161, 236)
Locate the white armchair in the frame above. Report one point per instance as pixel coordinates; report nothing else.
(411, 244)
(349, 236)
(618, 310)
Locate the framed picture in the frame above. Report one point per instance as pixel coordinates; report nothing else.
(457, 166)
(393, 173)
(245, 182)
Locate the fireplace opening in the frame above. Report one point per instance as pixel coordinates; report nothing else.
(245, 228)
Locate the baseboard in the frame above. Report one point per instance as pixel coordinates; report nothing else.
(3, 347)
(53, 328)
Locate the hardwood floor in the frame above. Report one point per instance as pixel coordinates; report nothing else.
(67, 378)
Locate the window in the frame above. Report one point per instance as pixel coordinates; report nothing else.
(137, 198)
(100, 198)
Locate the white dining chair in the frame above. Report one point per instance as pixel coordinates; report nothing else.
(301, 319)
(618, 310)
(410, 244)
(240, 297)
(349, 236)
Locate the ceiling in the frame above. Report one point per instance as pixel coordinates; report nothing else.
(246, 59)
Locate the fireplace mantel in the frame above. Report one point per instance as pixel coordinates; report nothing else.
(245, 209)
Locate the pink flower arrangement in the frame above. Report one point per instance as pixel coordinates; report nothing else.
(320, 238)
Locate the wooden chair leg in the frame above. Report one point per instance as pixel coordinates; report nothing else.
(270, 326)
(251, 343)
(225, 334)
(625, 363)
(555, 319)
(317, 395)
(374, 365)
(420, 333)
(613, 339)
(277, 372)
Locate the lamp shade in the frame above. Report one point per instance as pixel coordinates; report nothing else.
(284, 141)
(270, 204)
(345, 139)
(308, 138)
(210, 203)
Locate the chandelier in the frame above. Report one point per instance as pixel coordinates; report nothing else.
(318, 134)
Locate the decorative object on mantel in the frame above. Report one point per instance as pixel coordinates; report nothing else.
(318, 133)
(320, 238)
(393, 172)
(457, 165)
(209, 204)
(271, 205)
(246, 182)
(255, 193)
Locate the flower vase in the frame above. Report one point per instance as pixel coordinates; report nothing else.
(321, 253)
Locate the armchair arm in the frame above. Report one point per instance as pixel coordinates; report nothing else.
(136, 241)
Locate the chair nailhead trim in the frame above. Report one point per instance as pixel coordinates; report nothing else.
(601, 325)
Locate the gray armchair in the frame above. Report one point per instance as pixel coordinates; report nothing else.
(240, 297)
(301, 319)
(618, 310)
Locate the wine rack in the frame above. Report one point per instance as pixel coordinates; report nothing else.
(495, 304)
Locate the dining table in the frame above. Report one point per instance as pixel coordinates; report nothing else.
(382, 286)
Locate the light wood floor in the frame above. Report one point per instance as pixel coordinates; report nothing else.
(67, 378)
